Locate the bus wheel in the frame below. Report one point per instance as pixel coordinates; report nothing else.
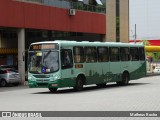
(79, 84)
(101, 85)
(125, 79)
(53, 90)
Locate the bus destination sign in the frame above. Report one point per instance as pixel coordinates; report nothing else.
(50, 46)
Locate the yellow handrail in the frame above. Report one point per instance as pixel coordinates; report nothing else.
(152, 48)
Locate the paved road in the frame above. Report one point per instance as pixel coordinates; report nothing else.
(139, 95)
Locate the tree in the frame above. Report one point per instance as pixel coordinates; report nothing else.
(149, 54)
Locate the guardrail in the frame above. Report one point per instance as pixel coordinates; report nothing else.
(85, 7)
(68, 4)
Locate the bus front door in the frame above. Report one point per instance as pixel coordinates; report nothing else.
(67, 72)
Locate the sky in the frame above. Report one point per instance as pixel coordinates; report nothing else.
(146, 15)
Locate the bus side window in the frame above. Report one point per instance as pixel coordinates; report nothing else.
(91, 54)
(66, 58)
(134, 54)
(78, 54)
(103, 54)
(141, 54)
(114, 54)
(124, 54)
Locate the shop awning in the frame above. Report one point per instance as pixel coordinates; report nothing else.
(8, 51)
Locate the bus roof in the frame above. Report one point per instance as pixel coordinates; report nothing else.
(87, 43)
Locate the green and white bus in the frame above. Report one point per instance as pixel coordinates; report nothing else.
(57, 64)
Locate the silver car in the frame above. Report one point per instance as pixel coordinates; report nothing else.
(156, 70)
(9, 75)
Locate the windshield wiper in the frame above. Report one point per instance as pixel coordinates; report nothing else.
(45, 56)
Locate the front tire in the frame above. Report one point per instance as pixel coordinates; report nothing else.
(53, 90)
(79, 84)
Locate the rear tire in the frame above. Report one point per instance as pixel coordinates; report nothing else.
(53, 90)
(125, 79)
(79, 84)
(3, 83)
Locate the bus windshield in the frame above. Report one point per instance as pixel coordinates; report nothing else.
(43, 61)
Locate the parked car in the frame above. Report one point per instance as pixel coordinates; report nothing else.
(9, 66)
(9, 75)
(156, 70)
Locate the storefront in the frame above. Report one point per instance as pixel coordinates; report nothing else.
(8, 56)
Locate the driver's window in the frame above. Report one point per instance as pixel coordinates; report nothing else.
(66, 58)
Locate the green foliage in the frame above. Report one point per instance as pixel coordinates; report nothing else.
(157, 56)
(146, 42)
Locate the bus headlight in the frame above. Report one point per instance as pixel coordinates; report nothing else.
(31, 78)
(55, 77)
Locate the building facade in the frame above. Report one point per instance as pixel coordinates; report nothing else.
(26, 21)
(117, 21)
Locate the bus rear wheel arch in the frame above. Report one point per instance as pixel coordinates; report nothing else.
(79, 83)
(125, 79)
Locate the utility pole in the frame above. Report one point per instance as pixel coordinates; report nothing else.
(135, 36)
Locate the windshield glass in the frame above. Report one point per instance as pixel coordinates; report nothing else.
(43, 62)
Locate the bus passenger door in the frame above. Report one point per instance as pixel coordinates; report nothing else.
(67, 72)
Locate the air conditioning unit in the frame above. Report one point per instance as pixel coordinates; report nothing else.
(72, 12)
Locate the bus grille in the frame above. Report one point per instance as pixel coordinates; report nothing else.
(42, 84)
(41, 76)
(42, 80)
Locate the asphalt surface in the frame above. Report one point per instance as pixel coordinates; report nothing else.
(140, 95)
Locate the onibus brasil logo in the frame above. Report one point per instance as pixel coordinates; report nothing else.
(21, 114)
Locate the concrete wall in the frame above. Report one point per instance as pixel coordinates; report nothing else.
(35, 16)
(124, 21)
(111, 21)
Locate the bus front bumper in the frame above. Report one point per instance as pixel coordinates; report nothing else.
(33, 84)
